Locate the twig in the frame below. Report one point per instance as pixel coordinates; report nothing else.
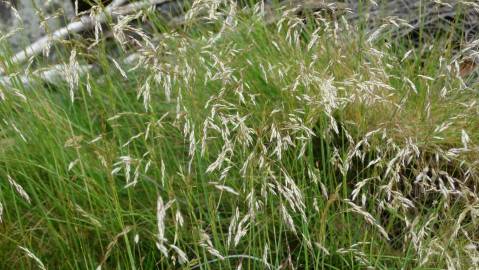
(84, 23)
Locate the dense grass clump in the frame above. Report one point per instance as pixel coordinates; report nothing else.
(239, 139)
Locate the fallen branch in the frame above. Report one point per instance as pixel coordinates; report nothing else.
(56, 74)
(53, 75)
(113, 10)
(115, 3)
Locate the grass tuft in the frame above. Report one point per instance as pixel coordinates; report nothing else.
(239, 140)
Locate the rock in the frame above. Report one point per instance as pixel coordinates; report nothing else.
(27, 20)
